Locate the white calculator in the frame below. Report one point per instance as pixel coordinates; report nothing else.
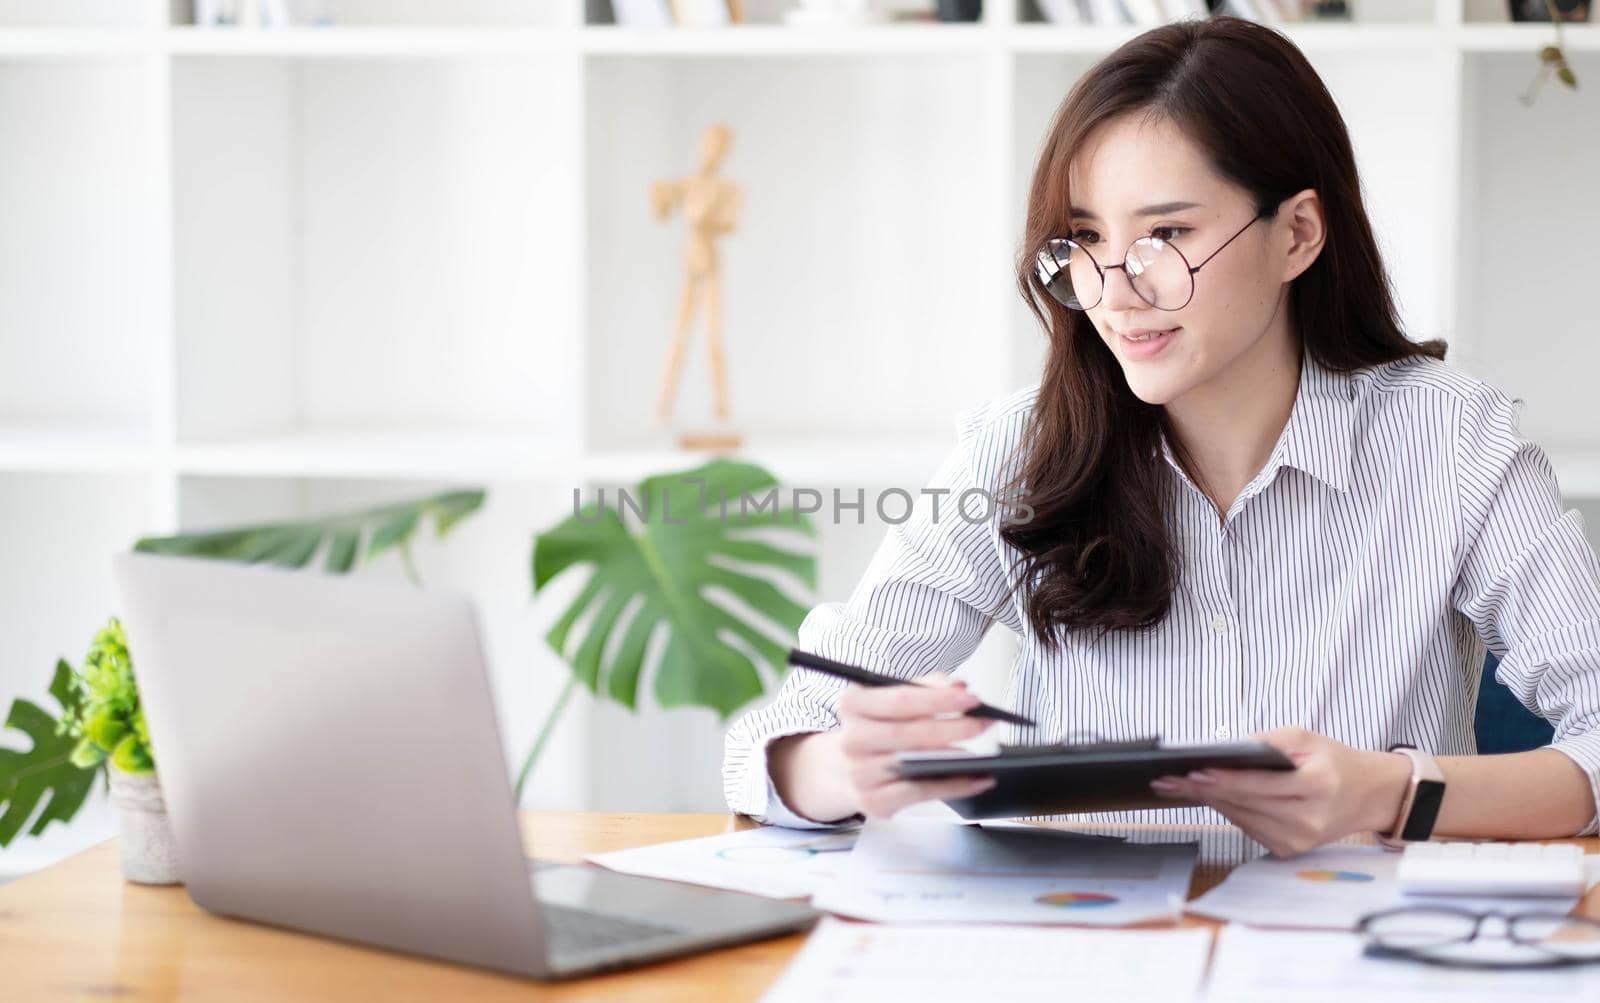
(1468, 868)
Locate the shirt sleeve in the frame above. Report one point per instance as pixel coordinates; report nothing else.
(928, 596)
(1528, 579)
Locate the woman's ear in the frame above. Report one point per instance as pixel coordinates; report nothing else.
(1307, 229)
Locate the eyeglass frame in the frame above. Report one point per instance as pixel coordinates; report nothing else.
(1376, 949)
(1123, 265)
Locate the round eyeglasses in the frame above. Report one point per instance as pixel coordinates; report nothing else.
(1444, 935)
(1156, 270)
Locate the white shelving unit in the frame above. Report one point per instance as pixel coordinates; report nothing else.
(260, 273)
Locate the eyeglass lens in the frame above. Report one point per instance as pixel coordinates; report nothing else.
(1157, 271)
(1447, 935)
(1566, 936)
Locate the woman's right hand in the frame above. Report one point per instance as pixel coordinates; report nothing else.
(875, 723)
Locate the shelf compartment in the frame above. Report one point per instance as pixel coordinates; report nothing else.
(1528, 173)
(856, 284)
(77, 279)
(380, 243)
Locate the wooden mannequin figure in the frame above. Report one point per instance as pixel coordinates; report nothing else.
(711, 207)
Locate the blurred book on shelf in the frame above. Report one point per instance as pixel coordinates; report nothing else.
(804, 13)
(702, 13)
(249, 14)
(1149, 13)
(1573, 11)
(1278, 11)
(639, 13)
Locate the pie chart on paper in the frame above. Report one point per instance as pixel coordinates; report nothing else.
(1324, 874)
(1076, 900)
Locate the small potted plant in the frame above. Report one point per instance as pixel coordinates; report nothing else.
(107, 722)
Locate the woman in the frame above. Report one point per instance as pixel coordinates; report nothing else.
(1254, 508)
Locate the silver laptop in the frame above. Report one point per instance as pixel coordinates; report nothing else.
(331, 762)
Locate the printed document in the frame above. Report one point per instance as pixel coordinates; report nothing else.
(846, 962)
(913, 870)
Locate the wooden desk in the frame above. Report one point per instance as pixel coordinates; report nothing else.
(77, 931)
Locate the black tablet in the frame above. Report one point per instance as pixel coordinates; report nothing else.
(1057, 780)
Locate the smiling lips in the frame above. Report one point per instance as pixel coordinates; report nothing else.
(1145, 344)
(1144, 334)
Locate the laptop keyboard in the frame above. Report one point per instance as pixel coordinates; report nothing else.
(579, 931)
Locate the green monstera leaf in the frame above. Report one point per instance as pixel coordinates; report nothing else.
(45, 770)
(292, 544)
(696, 539)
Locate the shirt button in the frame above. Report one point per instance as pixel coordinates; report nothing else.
(1219, 624)
(1222, 731)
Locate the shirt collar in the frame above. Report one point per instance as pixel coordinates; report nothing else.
(1317, 437)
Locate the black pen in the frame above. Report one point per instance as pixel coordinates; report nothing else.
(866, 677)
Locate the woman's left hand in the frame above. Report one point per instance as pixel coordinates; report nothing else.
(1335, 790)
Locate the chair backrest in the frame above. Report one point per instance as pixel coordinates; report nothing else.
(1501, 723)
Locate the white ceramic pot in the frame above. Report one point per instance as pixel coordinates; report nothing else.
(149, 851)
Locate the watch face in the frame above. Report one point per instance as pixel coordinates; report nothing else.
(1424, 810)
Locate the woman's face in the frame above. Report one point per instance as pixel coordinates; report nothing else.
(1129, 167)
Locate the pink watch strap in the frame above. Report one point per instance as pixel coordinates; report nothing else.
(1423, 767)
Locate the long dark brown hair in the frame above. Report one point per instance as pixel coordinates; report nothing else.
(1096, 551)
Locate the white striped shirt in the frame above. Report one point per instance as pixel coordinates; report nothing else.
(1400, 524)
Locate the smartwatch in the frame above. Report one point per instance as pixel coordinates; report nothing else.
(1420, 806)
